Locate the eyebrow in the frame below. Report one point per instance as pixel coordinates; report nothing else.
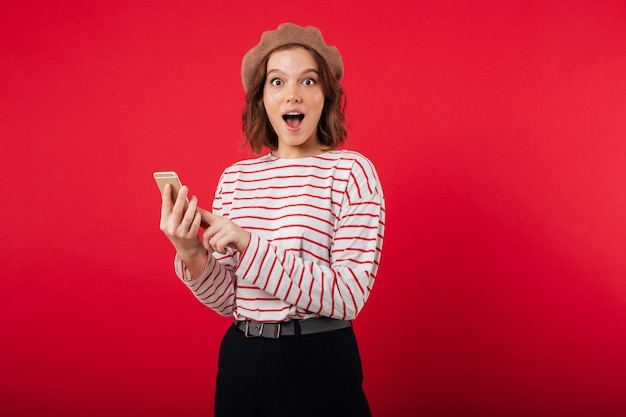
(306, 71)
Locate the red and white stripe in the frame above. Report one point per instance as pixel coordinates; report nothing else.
(317, 228)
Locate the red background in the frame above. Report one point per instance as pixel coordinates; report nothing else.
(498, 129)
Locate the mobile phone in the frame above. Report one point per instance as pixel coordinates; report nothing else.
(169, 177)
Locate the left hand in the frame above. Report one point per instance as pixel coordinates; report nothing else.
(222, 233)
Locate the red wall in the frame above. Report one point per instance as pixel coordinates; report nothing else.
(498, 129)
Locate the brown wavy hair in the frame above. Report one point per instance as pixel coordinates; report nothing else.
(331, 130)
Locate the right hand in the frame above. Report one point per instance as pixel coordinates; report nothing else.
(181, 227)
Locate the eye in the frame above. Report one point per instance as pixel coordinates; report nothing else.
(309, 81)
(276, 81)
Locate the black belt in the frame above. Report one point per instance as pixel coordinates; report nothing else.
(253, 328)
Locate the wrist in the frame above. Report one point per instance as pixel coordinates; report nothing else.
(194, 259)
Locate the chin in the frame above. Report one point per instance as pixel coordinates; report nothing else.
(297, 140)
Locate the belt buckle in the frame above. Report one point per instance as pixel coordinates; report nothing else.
(247, 330)
(274, 335)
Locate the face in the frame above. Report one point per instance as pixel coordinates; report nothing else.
(294, 101)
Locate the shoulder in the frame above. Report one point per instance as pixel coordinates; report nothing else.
(363, 175)
(248, 166)
(251, 163)
(351, 158)
(359, 162)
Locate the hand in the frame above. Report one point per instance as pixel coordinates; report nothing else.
(222, 233)
(179, 225)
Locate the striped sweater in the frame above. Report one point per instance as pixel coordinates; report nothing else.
(316, 225)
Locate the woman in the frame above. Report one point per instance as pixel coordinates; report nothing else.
(291, 247)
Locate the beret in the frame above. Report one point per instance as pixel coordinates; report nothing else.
(289, 34)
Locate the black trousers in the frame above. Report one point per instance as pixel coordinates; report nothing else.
(309, 375)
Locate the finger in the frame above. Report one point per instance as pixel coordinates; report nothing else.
(188, 218)
(195, 225)
(208, 246)
(166, 196)
(208, 217)
(203, 223)
(206, 239)
(181, 201)
(166, 204)
(217, 242)
(223, 239)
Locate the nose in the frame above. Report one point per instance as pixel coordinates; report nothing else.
(293, 96)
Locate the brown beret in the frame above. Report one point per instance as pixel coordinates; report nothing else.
(289, 34)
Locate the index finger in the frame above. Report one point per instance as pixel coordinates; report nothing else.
(166, 198)
(181, 202)
(207, 216)
(166, 204)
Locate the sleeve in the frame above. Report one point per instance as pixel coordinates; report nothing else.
(215, 286)
(341, 289)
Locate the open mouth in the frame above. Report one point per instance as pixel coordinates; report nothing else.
(293, 119)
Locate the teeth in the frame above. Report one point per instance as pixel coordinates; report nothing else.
(293, 114)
